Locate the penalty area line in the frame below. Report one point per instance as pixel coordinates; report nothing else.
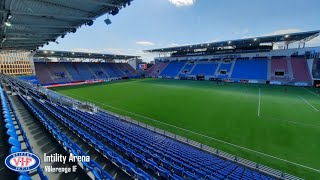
(311, 92)
(309, 103)
(208, 137)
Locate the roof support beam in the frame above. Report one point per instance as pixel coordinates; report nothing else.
(46, 15)
(28, 38)
(60, 6)
(32, 33)
(24, 42)
(43, 26)
(103, 3)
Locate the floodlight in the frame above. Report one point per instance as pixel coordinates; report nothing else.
(9, 16)
(107, 21)
(286, 36)
(255, 39)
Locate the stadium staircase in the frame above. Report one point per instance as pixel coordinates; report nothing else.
(231, 69)
(173, 68)
(224, 66)
(269, 69)
(92, 71)
(157, 69)
(290, 72)
(42, 142)
(216, 73)
(187, 67)
(194, 65)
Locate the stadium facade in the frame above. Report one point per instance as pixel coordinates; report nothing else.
(253, 60)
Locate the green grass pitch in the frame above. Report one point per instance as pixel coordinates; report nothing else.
(287, 128)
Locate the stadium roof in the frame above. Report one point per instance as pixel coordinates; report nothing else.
(84, 55)
(28, 24)
(288, 38)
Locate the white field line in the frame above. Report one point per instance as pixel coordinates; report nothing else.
(212, 138)
(311, 92)
(308, 103)
(259, 105)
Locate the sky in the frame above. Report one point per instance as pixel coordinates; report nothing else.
(150, 24)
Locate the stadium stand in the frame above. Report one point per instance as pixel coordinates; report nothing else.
(186, 69)
(225, 69)
(316, 68)
(279, 69)
(285, 69)
(155, 70)
(173, 68)
(300, 69)
(250, 69)
(65, 72)
(149, 156)
(205, 68)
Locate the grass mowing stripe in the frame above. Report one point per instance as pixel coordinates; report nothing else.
(308, 103)
(199, 134)
(289, 121)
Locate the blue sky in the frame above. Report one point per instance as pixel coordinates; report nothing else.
(148, 24)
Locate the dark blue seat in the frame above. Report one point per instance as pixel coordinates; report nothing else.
(177, 170)
(190, 176)
(175, 177)
(162, 172)
(149, 164)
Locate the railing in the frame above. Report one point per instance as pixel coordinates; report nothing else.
(247, 163)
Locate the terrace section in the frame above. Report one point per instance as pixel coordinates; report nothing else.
(256, 69)
(173, 68)
(300, 69)
(207, 69)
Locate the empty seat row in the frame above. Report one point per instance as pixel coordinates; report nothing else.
(159, 157)
(73, 148)
(115, 158)
(13, 140)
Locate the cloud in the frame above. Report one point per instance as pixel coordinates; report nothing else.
(173, 45)
(86, 50)
(283, 31)
(243, 31)
(277, 32)
(182, 3)
(145, 43)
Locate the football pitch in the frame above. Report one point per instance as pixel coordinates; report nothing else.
(272, 125)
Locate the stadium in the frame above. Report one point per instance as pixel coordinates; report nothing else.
(235, 109)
